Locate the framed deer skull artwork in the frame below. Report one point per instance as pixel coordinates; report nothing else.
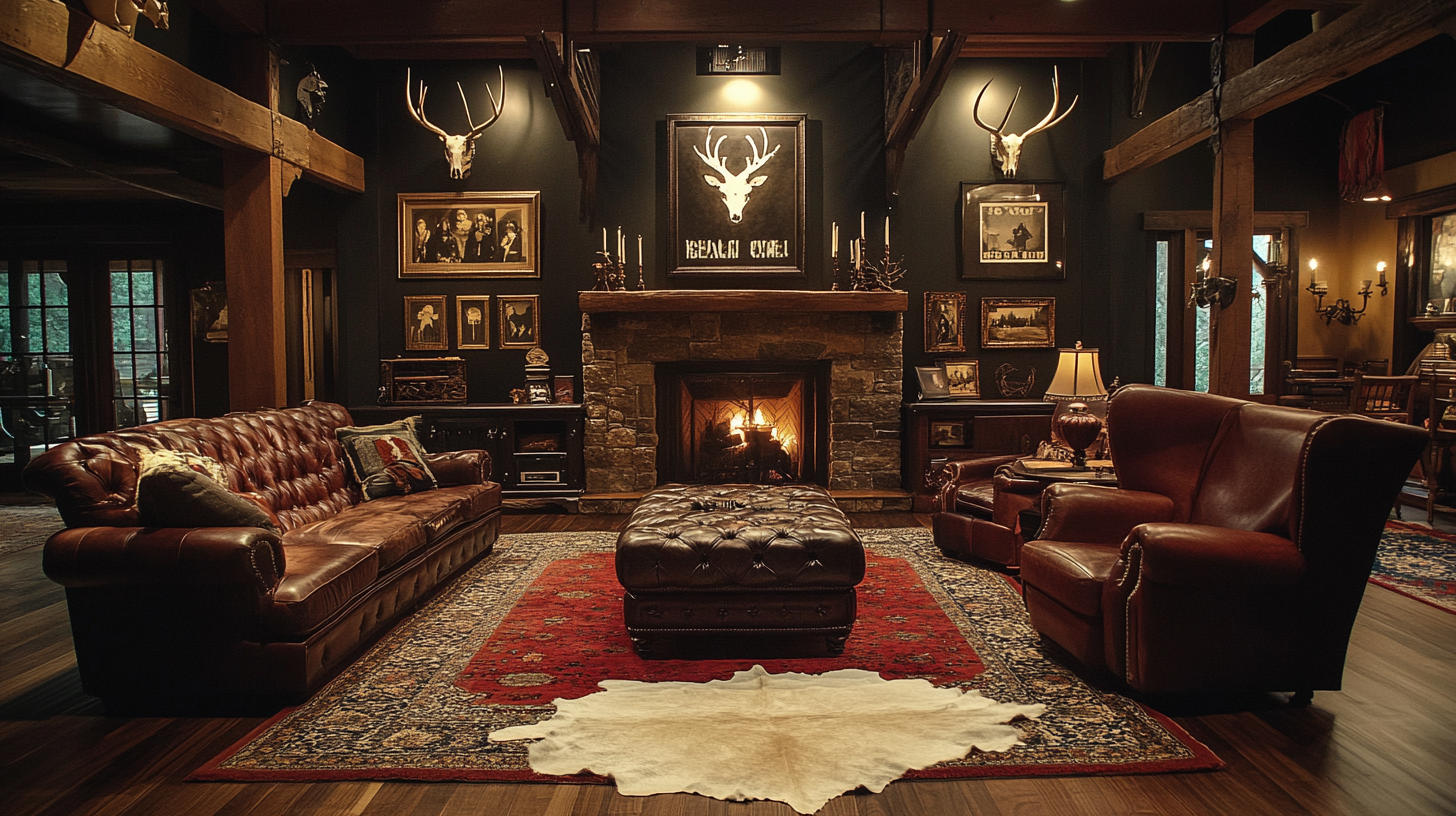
(735, 194)
(1013, 231)
(470, 235)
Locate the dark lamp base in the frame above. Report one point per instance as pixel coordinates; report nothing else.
(1079, 430)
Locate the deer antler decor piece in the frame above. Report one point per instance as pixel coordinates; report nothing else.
(459, 150)
(735, 187)
(1006, 147)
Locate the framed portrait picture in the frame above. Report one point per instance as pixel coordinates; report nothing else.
(424, 323)
(735, 194)
(945, 321)
(964, 378)
(1018, 322)
(519, 319)
(472, 321)
(933, 384)
(470, 235)
(1013, 231)
(1442, 279)
(948, 434)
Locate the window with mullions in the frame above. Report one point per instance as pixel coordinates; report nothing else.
(142, 380)
(36, 372)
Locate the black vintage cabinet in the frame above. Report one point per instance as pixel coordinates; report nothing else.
(949, 430)
(535, 450)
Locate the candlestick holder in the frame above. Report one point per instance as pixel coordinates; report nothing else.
(880, 276)
(611, 273)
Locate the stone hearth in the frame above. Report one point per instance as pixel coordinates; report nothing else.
(626, 334)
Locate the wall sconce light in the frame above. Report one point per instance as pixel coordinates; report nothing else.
(1208, 291)
(1341, 312)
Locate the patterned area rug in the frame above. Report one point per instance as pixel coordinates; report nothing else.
(26, 526)
(1419, 562)
(487, 653)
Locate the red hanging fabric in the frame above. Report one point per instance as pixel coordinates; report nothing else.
(1362, 155)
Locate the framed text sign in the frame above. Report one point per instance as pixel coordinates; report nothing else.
(735, 194)
(1013, 231)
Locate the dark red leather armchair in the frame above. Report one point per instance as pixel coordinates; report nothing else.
(977, 509)
(1234, 553)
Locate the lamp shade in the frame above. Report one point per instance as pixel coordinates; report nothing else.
(1079, 374)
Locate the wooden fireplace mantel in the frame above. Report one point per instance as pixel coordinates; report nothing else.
(742, 300)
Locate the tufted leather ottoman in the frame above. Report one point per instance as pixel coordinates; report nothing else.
(739, 559)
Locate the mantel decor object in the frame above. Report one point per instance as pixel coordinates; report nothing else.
(865, 275)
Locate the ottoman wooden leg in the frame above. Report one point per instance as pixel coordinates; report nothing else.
(641, 644)
(836, 643)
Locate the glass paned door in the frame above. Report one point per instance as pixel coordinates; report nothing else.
(37, 380)
(141, 384)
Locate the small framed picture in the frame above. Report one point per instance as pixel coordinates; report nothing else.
(519, 321)
(472, 321)
(945, 319)
(538, 393)
(964, 378)
(948, 434)
(1018, 322)
(933, 384)
(565, 389)
(424, 323)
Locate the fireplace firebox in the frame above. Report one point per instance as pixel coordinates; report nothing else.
(751, 423)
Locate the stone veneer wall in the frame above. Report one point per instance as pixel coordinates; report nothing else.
(620, 350)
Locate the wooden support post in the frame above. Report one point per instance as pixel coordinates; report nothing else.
(253, 241)
(1233, 236)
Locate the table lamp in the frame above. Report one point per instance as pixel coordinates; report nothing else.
(1077, 381)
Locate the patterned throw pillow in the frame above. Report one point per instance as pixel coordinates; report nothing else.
(176, 489)
(387, 460)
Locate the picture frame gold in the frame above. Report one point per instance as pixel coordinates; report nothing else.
(963, 378)
(945, 322)
(431, 244)
(1018, 322)
(518, 321)
(948, 434)
(424, 323)
(472, 321)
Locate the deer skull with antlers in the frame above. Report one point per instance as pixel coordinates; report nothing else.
(735, 187)
(1006, 147)
(459, 150)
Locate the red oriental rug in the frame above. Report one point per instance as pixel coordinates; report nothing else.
(1417, 562)
(541, 618)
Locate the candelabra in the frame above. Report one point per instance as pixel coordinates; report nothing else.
(612, 273)
(1341, 311)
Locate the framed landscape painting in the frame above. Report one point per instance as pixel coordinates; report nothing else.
(1018, 322)
(470, 235)
(735, 194)
(1013, 231)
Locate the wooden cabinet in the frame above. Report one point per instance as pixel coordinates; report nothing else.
(535, 450)
(940, 431)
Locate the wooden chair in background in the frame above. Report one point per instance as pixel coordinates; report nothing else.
(1318, 364)
(1442, 428)
(1388, 398)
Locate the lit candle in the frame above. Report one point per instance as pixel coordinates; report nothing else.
(619, 244)
(1380, 267)
(1313, 265)
(604, 240)
(639, 251)
(834, 240)
(887, 231)
(861, 224)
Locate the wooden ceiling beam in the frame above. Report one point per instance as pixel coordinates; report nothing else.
(923, 92)
(1366, 36)
(235, 16)
(576, 100)
(156, 180)
(70, 49)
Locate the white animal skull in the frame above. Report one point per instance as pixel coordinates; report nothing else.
(735, 188)
(1006, 147)
(459, 150)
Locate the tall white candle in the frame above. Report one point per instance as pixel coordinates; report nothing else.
(887, 231)
(604, 240)
(639, 250)
(861, 223)
(619, 245)
(834, 240)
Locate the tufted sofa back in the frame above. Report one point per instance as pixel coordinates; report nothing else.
(287, 460)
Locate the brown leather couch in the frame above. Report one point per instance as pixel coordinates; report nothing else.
(186, 618)
(978, 508)
(1234, 553)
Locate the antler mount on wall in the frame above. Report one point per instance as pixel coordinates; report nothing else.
(459, 150)
(1006, 147)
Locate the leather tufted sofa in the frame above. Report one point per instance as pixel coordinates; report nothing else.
(185, 618)
(1234, 553)
(740, 560)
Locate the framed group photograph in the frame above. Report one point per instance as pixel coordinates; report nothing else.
(424, 323)
(1013, 231)
(964, 378)
(472, 321)
(519, 319)
(735, 194)
(945, 321)
(470, 235)
(1018, 322)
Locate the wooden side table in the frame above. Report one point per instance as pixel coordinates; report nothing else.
(1098, 472)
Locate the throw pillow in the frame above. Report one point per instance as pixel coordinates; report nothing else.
(386, 460)
(176, 489)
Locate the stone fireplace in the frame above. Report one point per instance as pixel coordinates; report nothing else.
(856, 337)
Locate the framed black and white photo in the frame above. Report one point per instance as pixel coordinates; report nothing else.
(948, 434)
(469, 235)
(1013, 231)
(735, 194)
(1018, 322)
(964, 378)
(424, 323)
(933, 384)
(472, 321)
(519, 319)
(945, 319)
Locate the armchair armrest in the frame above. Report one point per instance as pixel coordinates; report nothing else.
(954, 474)
(183, 557)
(462, 467)
(1092, 514)
(1196, 555)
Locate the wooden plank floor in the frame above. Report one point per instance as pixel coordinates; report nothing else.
(1386, 744)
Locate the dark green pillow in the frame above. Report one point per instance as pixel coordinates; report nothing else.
(185, 490)
(386, 460)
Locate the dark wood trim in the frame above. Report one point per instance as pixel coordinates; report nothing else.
(1264, 221)
(253, 243)
(576, 102)
(159, 180)
(1428, 202)
(916, 106)
(742, 300)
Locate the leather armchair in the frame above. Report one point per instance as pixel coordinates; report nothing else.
(978, 506)
(1234, 552)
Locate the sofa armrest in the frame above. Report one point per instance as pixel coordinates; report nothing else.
(1092, 514)
(954, 474)
(462, 467)
(183, 557)
(1196, 555)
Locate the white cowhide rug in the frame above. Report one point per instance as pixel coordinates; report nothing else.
(797, 738)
